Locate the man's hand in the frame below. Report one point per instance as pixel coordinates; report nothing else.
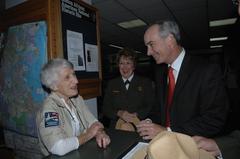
(149, 130)
(207, 144)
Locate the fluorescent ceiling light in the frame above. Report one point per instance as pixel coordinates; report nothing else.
(222, 22)
(219, 38)
(115, 46)
(139, 52)
(132, 24)
(216, 46)
(119, 47)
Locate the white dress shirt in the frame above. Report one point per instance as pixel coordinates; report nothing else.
(176, 65)
(129, 79)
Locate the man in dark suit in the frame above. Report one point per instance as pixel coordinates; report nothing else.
(228, 145)
(129, 95)
(199, 103)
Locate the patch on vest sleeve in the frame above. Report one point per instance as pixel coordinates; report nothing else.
(51, 119)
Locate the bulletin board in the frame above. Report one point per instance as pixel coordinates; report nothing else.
(78, 20)
(79, 34)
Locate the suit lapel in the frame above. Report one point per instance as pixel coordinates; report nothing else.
(185, 70)
(133, 82)
(165, 86)
(120, 84)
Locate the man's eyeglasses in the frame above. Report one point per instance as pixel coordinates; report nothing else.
(235, 2)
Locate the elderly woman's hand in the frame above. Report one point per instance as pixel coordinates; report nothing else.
(91, 132)
(102, 139)
(94, 128)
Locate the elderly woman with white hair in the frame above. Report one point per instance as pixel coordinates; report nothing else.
(64, 122)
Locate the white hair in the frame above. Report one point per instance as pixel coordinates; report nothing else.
(50, 72)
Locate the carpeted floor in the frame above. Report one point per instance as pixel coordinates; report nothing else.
(6, 153)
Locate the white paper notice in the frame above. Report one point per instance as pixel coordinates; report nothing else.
(75, 50)
(91, 52)
(140, 145)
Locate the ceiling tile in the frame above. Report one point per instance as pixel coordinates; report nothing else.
(114, 12)
(193, 17)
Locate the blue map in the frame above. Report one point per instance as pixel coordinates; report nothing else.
(21, 93)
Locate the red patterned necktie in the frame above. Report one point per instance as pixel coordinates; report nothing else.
(171, 86)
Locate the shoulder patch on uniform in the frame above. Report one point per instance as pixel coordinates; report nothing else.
(51, 119)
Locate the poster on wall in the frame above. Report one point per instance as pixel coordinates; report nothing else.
(91, 58)
(75, 50)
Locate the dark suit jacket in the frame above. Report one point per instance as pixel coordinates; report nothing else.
(232, 75)
(199, 104)
(230, 145)
(138, 98)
